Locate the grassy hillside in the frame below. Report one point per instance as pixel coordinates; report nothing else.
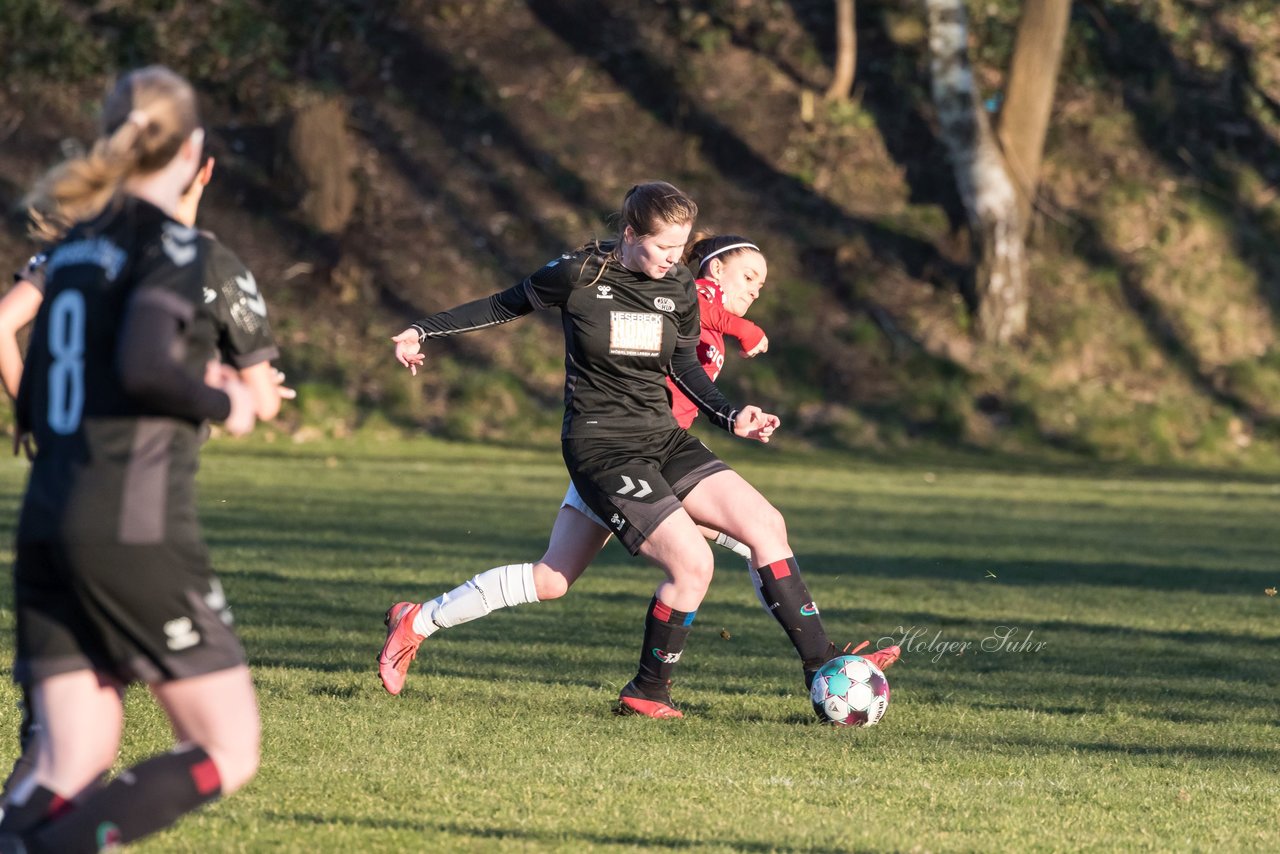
(489, 134)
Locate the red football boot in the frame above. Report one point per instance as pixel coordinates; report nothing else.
(632, 702)
(882, 658)
(401, 647)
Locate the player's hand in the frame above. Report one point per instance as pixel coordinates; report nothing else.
(286, 393)
(243, 407)
(409, 350)
(762, 347)
(755, 423)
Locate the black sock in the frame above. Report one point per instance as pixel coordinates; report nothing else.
(40, 806)
(665, 633)
(794, 609)
(148, 797)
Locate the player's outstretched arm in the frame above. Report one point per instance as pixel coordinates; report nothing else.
(500, 308)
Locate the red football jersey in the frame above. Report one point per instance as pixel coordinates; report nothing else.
(716, 322)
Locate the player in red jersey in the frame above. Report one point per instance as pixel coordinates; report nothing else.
(730, 271)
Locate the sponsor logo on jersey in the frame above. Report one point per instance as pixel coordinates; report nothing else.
(181, 634)
(604, 292)
(100, 252)
(809, 609)
(617, 522)
(710, 356)
(666, 657)
(635, 333)
(664, 304)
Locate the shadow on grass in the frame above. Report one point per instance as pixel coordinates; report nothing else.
(1158, 579)
(1075, 711)
(1182, 677)
(1179, 753)
(528, 836)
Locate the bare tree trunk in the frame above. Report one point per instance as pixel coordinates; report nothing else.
(321, 151)
(989, 197)
(1033, 76)
(846, 52)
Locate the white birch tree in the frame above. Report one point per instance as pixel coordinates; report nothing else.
(997, 173)
(846, 53)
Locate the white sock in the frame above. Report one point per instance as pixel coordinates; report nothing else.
(755, 582)
(500, 587)
(738, 548)
(733, 545)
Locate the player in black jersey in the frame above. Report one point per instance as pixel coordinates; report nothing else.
(728, 265)
(232, 304)
(630, 316)
(112, 578)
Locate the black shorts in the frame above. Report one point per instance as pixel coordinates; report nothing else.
(635, 482)
(150, 613)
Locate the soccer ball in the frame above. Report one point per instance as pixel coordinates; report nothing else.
(850, 691)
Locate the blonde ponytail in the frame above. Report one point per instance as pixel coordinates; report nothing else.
(145, 119)
(81, 187)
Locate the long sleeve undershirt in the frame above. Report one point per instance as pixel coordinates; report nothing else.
(691, 378)
(504, 307)
(148, 361)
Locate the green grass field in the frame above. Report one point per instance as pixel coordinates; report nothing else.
(1133, 704)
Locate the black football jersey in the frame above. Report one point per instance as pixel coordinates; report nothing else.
(624, 333)
(231, 304)
(106, 464)
(235, 307)
(620, 328)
